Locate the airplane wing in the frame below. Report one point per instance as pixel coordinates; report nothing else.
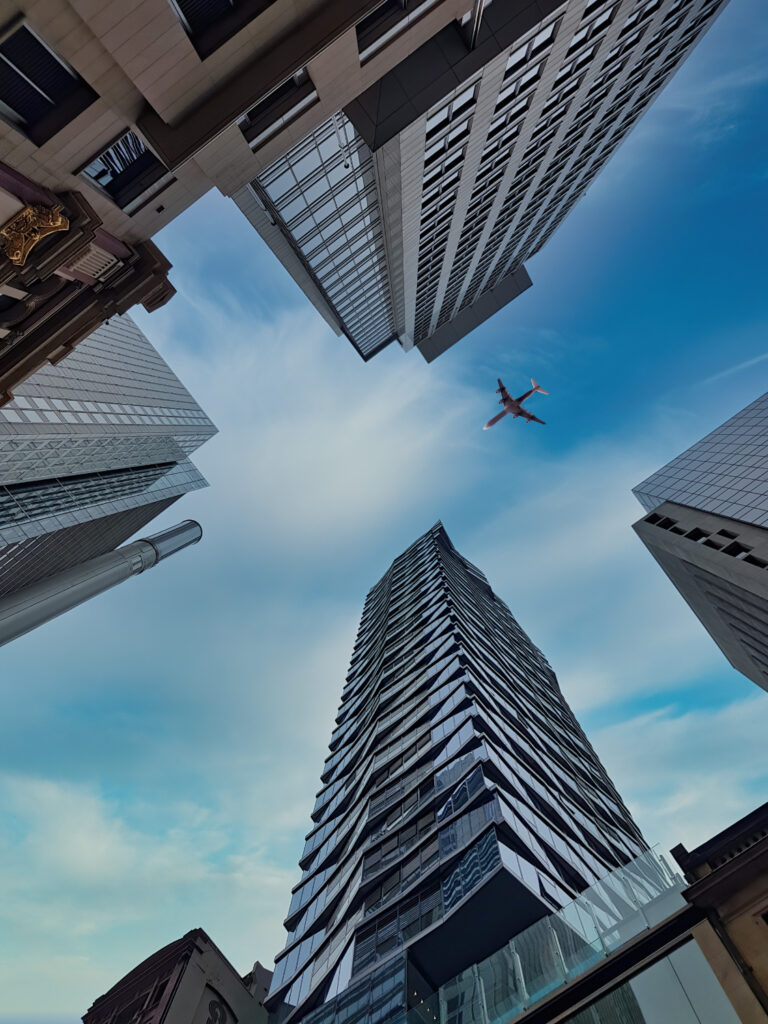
(501, 390)
(529, 416)
(499, 416)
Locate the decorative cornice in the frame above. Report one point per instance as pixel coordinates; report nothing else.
(26, 228)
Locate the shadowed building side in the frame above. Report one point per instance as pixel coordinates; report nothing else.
(707, 527)
(189, 981)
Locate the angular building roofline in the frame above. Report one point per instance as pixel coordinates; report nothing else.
(733, 841)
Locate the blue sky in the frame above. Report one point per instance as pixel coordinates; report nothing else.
(161, 746)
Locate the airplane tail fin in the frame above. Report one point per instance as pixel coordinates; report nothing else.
(537, 387)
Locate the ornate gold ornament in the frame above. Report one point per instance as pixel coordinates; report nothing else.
(27, 227)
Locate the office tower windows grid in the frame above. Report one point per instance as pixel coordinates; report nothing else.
(486, 174)
(323, 195)
(725, 472)
(33, 459)
(575, 120)
(24, 562)
(522, 70)
(635, 82)
(707, 527)
(28, 509)
(113, 403)
(512, 102)
(447, 131)
(454, 758)
(101, 438)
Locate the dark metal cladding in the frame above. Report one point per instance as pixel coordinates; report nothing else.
(461, 800)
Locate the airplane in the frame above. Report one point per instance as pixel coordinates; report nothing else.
(514, 406)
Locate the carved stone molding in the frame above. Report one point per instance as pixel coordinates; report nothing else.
(23, 231)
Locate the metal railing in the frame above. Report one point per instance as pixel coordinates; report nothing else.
(558, 948)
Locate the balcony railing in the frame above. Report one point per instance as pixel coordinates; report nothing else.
(558, 948)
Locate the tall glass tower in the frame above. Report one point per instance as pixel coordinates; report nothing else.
(410, 212)
(460, 801)
(91, 451)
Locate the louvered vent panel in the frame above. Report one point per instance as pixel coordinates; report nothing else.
(97, 263)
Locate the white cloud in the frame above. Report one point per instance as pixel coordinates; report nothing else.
(201, 697)
(82, 870)
(689, 773)
(236, 651)
(317, 449)
(210, 685)
(564, 557)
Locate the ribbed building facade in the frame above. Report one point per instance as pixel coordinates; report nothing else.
(410, 213)
(91, 450)
(461, 801)
(707, 527)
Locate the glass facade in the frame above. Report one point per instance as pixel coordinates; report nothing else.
(323, 195)
(60, 547)
(725, 472)
(458, 783)
(90, 451)
(678, 989)
(543, 959)
(563, 946)
(453, 203)
(707, 528)
(27, 507)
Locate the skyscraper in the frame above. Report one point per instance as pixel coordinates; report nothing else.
(409, 214)
(91, 451)
(111, 126)
(460, 802)
(403, 158)
(707, 527)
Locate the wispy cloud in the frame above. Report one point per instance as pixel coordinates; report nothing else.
(565, 557)
(217, 723)
(329, 455)
(735, 369)
(81, 868)
(688, 773)
(700, 97)
(160, 768)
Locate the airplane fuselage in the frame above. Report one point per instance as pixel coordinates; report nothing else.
(514, 406)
